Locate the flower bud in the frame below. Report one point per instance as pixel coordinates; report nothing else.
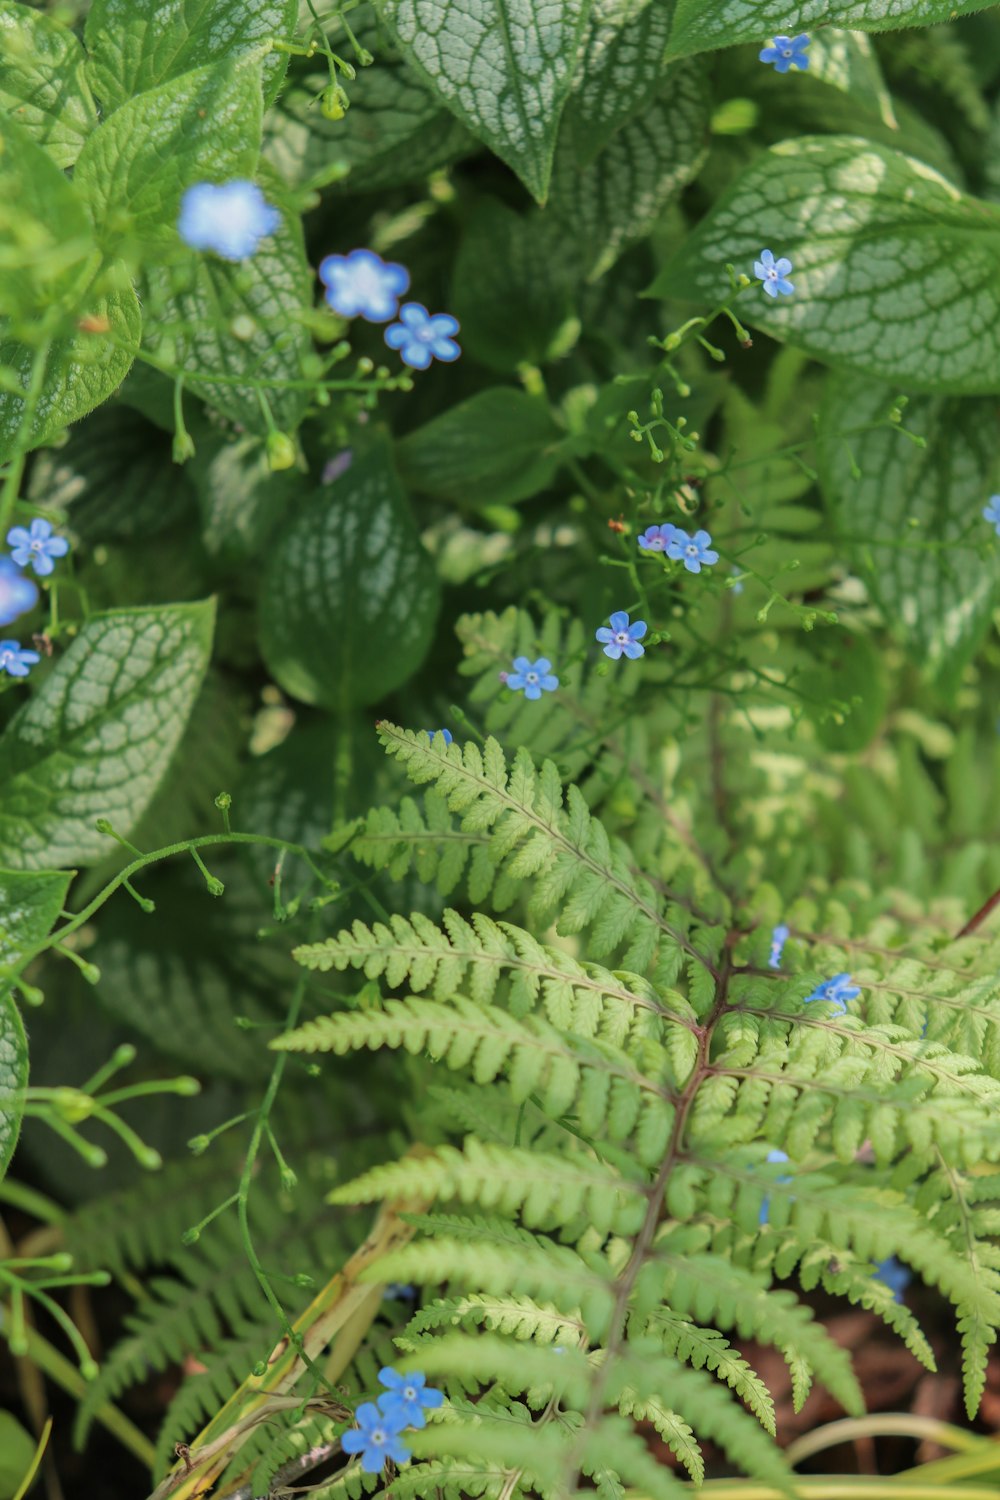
(280, 451)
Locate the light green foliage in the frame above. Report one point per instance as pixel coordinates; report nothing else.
(95, 739)
(30, 904)
(46, 221)
(136, 45)
(849, 214)
(81, 369)
(13, 1075)
(43, 85)
(559, 1062)
(204, 125)
(505, 69)
(241, 321)
(17, 1449)
(498, 447)
(350, 599)
(703, 24)
(909, 515)
(619, 71)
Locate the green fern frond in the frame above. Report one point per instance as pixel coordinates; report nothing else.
(707, 1348)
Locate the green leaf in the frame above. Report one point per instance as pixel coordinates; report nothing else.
(17, 1447)
(350, 597)
(701, 25)
(203, 126)
(929, 579)
(498, 447)
(115, 475)
(261, 298)
(845, 674)
(894, 269)
(505, 70)
(592, 215)
(620, 70)
(98, 734)
(81, 371)
(43, 85)
(49, 244)
(513, 301)
(240, 499)
(136, 45)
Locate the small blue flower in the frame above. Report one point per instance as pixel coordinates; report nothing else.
(400, 1290)
(363, 285)
(446, 732)
(786, 51)
(36, 545)
(376, 1438)
(230, 218)
(779, 937)
(765, 1207)
(774, 274)
(837, 990)
(17, 593)
(992, 512)
(622, 638)
(895, 1275)
(739, 585)
(420, 337)
(695, 551)
(533, 678)
(407, 1398)
(14, 661)
(657, 538)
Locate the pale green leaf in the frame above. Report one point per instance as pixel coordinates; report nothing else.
(894, 269)
(503, 66)
(701, 25)
(203, 126)
(43, 86)
(498, 447)
(136, 45)
(81, 370)
(48, 243)
(911, 523)
(98, 734)
(350, 596)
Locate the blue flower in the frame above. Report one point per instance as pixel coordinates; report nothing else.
(407, 1398)
(14, 661)
(779, 937)
(36, 545)
(17, 593)
(992, 512)
(774, 274)
(837, 990)
(765, 1207)
(533, 678)
(364, 285)
(738, 586)
(695, 551)
(401, 1290)
(786, 51)
(446, 732)
(622, 638)
(230, 218)
(657, 538)
(419, 337)
(376, 1438)
(895, 1275)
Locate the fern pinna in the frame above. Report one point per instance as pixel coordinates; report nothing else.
(609, 1224)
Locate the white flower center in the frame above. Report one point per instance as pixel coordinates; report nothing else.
(409, 1394)
(786, 52)
(622, 637)
(424, 333)
(531, 676)
(366, 283)
(37, 545)
(691, 550)
(772, 273)
(378, 1437)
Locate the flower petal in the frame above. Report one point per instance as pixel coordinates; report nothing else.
(603, 633)
(638, 630)
(619, 620)
(633, 650)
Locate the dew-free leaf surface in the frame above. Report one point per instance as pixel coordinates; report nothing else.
(894, 269)
(43, 85)
(97, 735)
(702, 24)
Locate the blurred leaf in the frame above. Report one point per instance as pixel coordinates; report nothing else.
(843, 670)
(240, 499)
(48, 242)
(350, 597)
(43, 85)
(499, 447)
(136, 45)
(620, 68)
(17, 1447)
(700, 25)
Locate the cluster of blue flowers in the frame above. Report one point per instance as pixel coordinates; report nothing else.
(363, 285)
(230, 218)
(695, 552)
(403, 1404)
(33, 547)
